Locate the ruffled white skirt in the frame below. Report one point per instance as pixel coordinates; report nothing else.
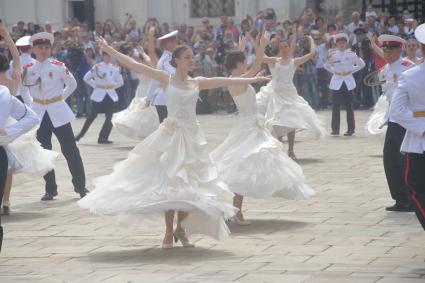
(252, 163)
(28, 161)
(287, 111)
(137, 121)
(169, 170)
(377, 124)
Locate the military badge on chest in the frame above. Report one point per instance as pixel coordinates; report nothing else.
(50, 75)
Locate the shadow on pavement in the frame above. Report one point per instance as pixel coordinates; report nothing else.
(266, 226)
(175, 256)
(22, 216)
(309, 160)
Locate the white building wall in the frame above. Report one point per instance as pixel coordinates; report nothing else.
(172, 11)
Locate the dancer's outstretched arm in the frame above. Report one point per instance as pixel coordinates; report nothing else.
(260, 44)
(301, 60)
(216, 82)
(130, 63)
(293, 44)
(16, 66)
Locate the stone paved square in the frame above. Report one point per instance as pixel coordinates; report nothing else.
(343, 234)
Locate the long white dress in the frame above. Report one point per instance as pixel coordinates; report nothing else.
(28, 161)
(376, 125)
(285, 110)
(169, 170)
(137, 121)
(252, 162)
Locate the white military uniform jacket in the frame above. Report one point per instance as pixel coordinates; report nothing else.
(11, 107)
(389, 74)
(345, 61)
(48, 80)
(407, 99)
(25, 59)
(155, 92)
(104, 79)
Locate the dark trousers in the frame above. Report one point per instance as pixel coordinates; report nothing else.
(107, 107)
(322, 86)
(415, 181)
(162, 112)
(69, 149)
(394, 163)
(3, 174)
(343, 95)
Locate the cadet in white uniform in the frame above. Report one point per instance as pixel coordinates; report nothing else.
(104, 78)
(24, 47)
(46, 79)
(156, 92)
(11, 107)
(393, 161)
(342, 63)
(408, 109)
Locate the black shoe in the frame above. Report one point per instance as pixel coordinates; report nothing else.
(104, 142)
(49, 196)
(334, 134)
(400, 207)
(78, 137)
(349, 133)
(5, 210)
(83, 192)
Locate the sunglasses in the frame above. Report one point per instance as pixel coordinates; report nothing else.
(389, 48)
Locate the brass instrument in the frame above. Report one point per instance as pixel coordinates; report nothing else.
(370, 79)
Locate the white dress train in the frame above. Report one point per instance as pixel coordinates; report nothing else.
(169, 170)
(377, 123)
(137, 121)
(252, 162)
(285, 110)
(28, 161)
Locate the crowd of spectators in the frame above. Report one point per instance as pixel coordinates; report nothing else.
(75, 46)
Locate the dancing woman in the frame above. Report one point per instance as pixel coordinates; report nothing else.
(27, 160)
(171, 169)
(287, 111)
(251, 161)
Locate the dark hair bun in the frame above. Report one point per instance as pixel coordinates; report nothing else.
(233, 58)
(4, 63)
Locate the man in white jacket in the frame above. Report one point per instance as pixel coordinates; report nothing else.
(342, 63)
(408, 109)
(104, 78)
(50, 83)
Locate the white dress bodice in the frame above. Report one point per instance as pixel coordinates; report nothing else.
(246, 103)
(181, 103)
(283, 74)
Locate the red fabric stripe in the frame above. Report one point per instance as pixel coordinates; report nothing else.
(406, 180)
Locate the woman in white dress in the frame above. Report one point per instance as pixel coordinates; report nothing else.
(28, 161)
(287, 111)
(138, 120)
(171, 169)
(250, 160)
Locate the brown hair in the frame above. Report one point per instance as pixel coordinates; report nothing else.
(233, 58)
(177, 53)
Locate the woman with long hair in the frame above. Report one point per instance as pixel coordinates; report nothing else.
(171, 169)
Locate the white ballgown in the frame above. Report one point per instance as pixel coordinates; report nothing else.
(137, 121)
(252, 162)
(169, 170)
(284, 109)
(377, 123)
(28, 161)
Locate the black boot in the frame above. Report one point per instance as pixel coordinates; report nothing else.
(83, 192)
(401, 207)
